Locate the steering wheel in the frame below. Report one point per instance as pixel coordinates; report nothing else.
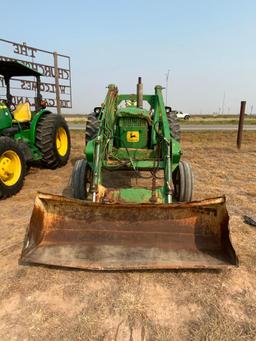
(12, 107)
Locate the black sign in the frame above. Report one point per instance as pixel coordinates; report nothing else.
(24, 50)
(31, 86)
(55, 88)
(51, 102)
(45, 70)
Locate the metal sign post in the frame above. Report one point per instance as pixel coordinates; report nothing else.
(57, 85)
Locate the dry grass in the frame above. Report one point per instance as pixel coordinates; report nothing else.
(40, 303)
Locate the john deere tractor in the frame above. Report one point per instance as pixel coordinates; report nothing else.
(113, 225)
(124, 135)
(26, 135)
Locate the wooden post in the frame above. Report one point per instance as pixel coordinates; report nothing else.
(241, 125)
(57, 84)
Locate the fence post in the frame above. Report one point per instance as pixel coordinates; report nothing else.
(241, 125)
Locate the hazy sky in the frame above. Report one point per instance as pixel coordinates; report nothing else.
(209, 47)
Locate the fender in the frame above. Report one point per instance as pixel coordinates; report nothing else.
(34, 123)
(5, 117)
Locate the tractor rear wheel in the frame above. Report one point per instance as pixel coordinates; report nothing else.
(174, 125)
(12, 167)
(183, 181)
(81, 180)
(92, 127)
(53, 140)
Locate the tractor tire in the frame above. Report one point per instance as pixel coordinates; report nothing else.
(81, 180)
(92, 127)
(183, 181)
(174, 125)
(53, 140)
(12, 167)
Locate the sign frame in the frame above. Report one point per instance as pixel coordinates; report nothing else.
(55, 72)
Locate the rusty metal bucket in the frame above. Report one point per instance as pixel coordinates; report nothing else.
(72, 233)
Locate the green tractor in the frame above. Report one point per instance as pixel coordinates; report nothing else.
(116, 225)
(27, 136)
(122, 135)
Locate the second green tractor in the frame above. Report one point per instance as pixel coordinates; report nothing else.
(27, 136)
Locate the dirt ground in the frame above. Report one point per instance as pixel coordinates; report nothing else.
(41, 303)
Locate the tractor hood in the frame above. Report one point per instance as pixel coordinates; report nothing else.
(133, 111)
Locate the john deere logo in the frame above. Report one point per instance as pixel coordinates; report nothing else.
(133, 136)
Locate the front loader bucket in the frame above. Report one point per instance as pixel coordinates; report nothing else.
(72, 233)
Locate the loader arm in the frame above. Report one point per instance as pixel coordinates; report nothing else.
(104, 139)
(166, 146)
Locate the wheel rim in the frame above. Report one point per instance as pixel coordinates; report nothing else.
(61, 141)
(10, 168)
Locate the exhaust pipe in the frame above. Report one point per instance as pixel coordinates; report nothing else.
(139, 93)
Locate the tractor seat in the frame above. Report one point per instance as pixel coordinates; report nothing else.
(22, 113)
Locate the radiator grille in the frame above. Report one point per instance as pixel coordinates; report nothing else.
(132, 122)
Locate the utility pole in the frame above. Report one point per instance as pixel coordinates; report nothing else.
(223, 103)
(166, 86)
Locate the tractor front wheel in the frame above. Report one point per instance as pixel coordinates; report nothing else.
(53, 140)
(12, 167)
(81, 179)
(183, 181)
